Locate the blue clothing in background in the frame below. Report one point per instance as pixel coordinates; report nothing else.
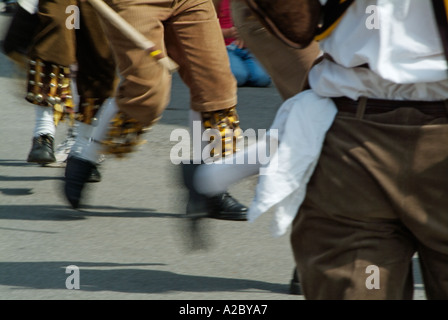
(246, 69)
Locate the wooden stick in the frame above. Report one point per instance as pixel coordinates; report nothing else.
(134, 35)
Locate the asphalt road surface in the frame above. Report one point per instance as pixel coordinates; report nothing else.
(130, 241)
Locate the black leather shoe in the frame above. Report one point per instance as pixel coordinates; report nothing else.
(9, 8)
(224, 206)
(294, 286)
(95, 176)
(42, 150)
(77, 173)
(197, 209)
(197, 205)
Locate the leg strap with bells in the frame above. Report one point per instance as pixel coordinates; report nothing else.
(123, 136)
(49, 85)
(226, 122)
(88, 109)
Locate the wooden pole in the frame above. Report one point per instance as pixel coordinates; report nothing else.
(134, 35)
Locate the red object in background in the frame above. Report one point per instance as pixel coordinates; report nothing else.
(225, 18)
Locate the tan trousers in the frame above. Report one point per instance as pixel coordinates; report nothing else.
(288, 67)
(189, 32)
(377, 196)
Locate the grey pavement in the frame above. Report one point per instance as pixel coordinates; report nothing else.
(130, 241)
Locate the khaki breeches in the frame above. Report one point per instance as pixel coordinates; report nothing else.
(288, 67)
(188, 31)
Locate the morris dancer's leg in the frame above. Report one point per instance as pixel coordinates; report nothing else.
(86, 152)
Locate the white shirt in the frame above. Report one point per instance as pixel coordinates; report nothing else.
(29, 5)
(404, 53)
(302, 122)
(406, 62)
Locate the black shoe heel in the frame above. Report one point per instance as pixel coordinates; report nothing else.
(77, 174)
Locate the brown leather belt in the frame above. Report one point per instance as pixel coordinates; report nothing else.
(435, 108)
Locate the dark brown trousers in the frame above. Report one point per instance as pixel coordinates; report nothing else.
(377, 197)
(86, 46)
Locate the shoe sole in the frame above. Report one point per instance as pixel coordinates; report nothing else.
(94, 180)
(55, 164)
(229, 216)
(40, 161)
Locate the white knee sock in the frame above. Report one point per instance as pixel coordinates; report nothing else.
(87, 144)
(215, 178)
(44, 123)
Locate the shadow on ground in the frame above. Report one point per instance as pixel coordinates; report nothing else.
(127, 278)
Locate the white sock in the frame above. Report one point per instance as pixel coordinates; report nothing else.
(217, 177)
(87, 144)
(44, 123)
